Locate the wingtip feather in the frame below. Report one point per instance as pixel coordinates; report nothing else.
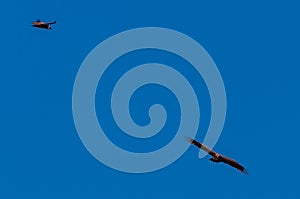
(188, 139)
(244, 171)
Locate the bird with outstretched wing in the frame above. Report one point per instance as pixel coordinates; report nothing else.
(40, 24)
(216, 157)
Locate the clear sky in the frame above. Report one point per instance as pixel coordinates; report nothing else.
(255, 46)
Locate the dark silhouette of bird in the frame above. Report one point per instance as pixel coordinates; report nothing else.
(40, 24)
(216, 157)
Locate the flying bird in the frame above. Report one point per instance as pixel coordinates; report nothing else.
(40, 24)
(216, 157)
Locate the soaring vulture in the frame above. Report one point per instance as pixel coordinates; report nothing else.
(40, 24)
(218, 157)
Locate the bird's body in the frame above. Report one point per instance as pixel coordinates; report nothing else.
(216, 157)
(41, 24)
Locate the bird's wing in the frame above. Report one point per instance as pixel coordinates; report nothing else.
(234, 164)
(54, 22)
(40, 23)
(201, 146)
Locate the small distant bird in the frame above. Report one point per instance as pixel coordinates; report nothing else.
(217, 157)
(40, 24)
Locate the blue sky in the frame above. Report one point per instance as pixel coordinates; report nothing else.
(255, 46)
